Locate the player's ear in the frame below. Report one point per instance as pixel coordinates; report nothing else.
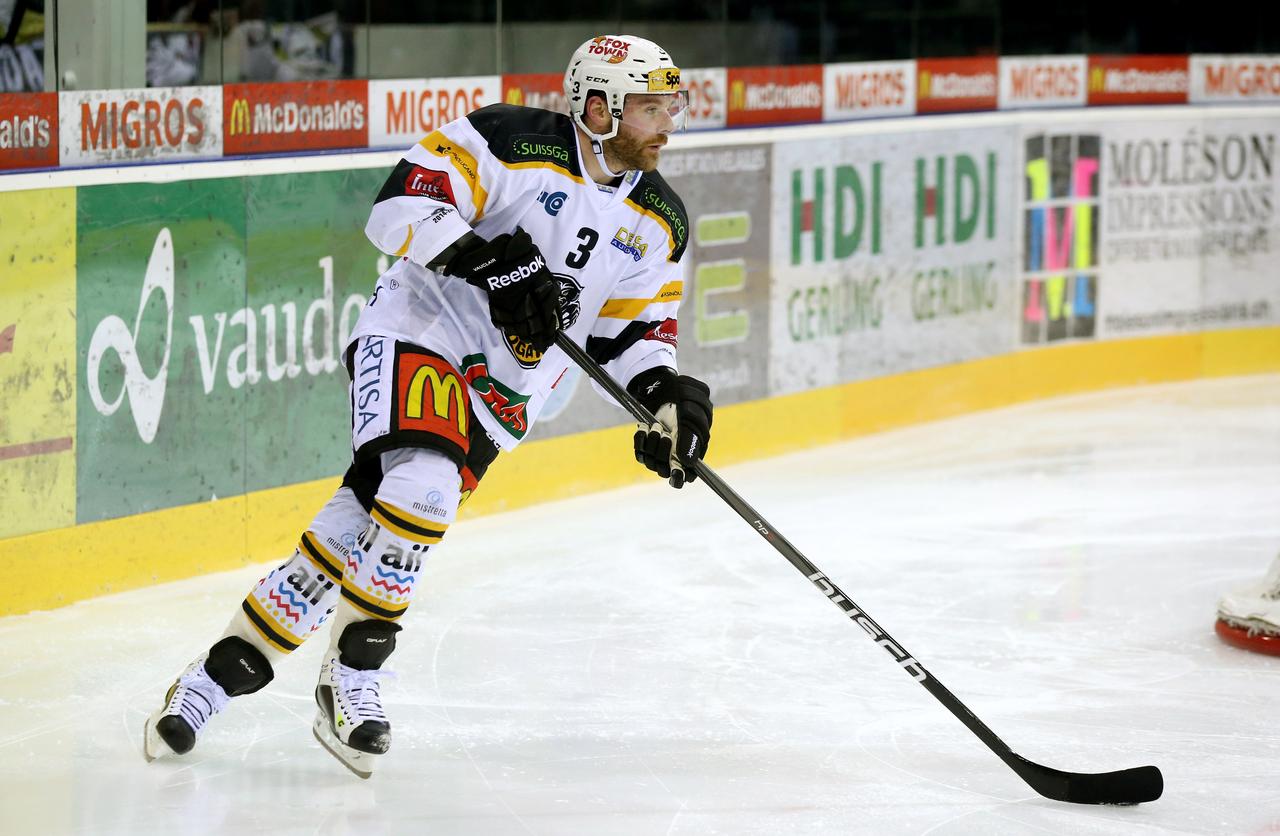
(598, 113)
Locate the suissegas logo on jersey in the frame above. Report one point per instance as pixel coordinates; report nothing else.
(539, 148)
(570, 309)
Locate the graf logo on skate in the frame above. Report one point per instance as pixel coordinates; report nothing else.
(872, 629)
(146, 393)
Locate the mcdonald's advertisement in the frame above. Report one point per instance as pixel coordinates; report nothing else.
(404, 111)
(295, 116)
(544, 90)
(212, 316)
(774, 95)
(151, 124)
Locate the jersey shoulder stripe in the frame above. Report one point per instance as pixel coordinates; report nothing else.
(528, 137)
(654, 197)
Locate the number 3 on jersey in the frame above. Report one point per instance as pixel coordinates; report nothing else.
(578, 259)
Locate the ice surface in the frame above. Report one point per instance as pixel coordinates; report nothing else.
(641, 662)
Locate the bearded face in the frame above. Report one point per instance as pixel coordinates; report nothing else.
(646, 122)
(634, 148)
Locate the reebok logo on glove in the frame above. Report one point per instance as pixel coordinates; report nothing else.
(523, 272)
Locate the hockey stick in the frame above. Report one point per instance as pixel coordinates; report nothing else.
(1126, 786)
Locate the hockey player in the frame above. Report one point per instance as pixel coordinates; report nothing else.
(1250, 617)
(508, 225)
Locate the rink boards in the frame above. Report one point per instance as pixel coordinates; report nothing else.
(170, 335)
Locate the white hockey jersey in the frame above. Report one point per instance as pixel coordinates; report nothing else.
(616, 254)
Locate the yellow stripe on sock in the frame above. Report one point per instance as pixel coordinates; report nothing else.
(406, 525)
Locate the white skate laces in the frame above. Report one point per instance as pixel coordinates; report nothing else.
(356, 695)
(191, 701)
(231, 667)
(350, 721)
(196, 697)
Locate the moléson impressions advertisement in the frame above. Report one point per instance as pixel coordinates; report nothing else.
(1189, 230)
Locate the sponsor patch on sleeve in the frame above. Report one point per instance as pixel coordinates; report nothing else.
(425, 182)
(665, 331)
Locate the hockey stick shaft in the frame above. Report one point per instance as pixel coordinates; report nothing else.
(1124, 787)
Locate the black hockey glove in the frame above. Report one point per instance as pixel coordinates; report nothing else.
(522, 292)
(682, 405)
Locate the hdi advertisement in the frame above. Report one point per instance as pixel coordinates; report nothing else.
(891, 252)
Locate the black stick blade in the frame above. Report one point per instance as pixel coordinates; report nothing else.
(1125, 786)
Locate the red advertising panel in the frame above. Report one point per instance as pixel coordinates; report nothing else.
(774, 95)
(944, 85)
(1138, 79)
(28, 130)
(544, 90)
(295, 116)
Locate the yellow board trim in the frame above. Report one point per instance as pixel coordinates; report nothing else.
(55, 568)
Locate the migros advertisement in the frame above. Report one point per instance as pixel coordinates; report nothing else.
(404, 111)
(155, 123)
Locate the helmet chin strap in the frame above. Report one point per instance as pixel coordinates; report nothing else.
(597, 143)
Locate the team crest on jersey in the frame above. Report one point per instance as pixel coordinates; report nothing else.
(630, 243)
(570, 309)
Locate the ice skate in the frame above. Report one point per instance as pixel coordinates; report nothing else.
(1250, 617)
(350, 722)
(231, 667)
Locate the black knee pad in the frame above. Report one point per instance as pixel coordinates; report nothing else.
(239, 667)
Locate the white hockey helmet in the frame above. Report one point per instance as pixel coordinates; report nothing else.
(616, 65)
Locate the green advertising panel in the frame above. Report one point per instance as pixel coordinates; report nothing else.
(211, 317)
(310, 271)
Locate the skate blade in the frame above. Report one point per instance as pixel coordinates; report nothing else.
(153, 745)
(361, 763)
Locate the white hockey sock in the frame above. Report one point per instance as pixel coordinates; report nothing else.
(415, 504)
(295, 599)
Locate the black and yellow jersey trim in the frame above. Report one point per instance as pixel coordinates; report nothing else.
(529, 137)
(654, 197)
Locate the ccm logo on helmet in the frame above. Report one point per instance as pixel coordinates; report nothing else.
(524, 272)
